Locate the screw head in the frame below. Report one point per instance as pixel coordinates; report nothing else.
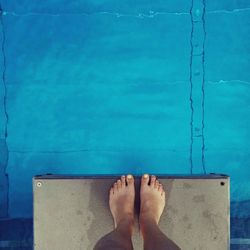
(39, 184)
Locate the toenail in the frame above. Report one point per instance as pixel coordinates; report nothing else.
(145, 176)
(129, 176)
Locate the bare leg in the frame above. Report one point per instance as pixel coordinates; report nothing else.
(121, 203)
(152, 205)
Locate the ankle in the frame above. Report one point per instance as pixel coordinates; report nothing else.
(147, 218)
(127, 220)
(126, 224)
(148, 226)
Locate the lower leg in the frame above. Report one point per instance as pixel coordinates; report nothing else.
(119, 238)
(154, 238)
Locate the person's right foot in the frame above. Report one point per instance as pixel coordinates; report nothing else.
(152, 200)
(121, 200)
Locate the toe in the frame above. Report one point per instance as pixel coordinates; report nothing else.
(156, 184)
(152, 181)
(130, 180)
(115, 186)
(160, 187)
(123, 178)
(145, 179)
(111, 191)
(119, 184)
(163, 193)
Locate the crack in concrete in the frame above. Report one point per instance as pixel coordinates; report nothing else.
(203, 84)
(91, 150)
(228, 11)
(191, 97)
(150, 14)
(191, 90)
(5, 151)
(229, 82)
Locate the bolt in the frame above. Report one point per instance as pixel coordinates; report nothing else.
(39, 184)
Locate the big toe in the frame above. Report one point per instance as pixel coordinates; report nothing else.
(145, 180)
(130, 180)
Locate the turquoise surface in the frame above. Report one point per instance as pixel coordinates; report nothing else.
(111, 87)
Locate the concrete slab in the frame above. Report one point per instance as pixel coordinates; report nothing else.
(71, 212)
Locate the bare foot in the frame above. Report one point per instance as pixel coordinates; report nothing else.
(121, 201)
(152, 200)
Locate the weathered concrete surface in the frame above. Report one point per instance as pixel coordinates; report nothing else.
(74, 214)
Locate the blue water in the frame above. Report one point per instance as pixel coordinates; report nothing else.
(111, 87)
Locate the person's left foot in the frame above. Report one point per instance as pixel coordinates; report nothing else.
(121, 201)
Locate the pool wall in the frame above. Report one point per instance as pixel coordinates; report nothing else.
(108, 87)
